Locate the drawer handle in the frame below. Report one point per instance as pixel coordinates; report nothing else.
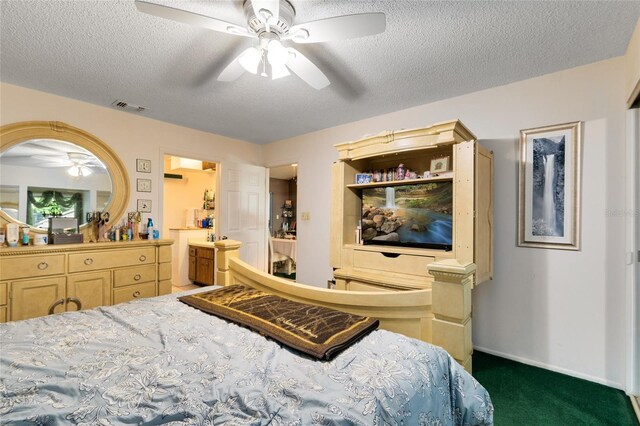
(88, 261)
(76, 301)
(136, 294)
(142, 258)
(391, 255)
(43, 265)
(137, 277)
(53, 307)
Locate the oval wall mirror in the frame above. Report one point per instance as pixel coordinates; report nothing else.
(51, 168)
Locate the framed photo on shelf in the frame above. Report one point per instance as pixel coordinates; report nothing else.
(144, 206)
(363, 178)
(549, 187)
(143, 185)
(143, 166)
(439, 165)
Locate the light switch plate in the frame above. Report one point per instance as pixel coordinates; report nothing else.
(306, 216)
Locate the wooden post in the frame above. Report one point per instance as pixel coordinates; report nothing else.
(451, 324)
(226, 250)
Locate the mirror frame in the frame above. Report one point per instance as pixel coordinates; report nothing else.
(15, 133)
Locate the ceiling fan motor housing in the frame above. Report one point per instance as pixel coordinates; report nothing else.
(285, 18)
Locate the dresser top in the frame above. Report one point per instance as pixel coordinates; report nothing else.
(65, 248)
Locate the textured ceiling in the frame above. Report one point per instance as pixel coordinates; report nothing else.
(102, 51)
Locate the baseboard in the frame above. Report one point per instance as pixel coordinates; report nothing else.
(552, 368)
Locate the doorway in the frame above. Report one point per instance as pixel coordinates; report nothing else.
(282, 220)
(189, 202)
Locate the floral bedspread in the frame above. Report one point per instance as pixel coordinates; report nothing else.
(159, 361)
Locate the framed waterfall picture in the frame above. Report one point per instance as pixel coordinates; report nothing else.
(549, 187)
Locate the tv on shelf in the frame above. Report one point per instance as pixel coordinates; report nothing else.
(414, 215)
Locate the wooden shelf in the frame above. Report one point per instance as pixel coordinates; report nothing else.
(400, 182)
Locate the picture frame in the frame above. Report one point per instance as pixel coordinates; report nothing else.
(439, 165)
(144, 206)
(143, 185)
(549, 186)
(362, 178)
(143, 166)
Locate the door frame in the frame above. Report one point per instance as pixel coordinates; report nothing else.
(160, 174)
(632, 252)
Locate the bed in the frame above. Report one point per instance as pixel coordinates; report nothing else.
(161, 361)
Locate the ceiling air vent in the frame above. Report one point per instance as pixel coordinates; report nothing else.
(127, 106)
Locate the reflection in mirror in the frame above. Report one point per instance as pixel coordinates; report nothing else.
(47, 177)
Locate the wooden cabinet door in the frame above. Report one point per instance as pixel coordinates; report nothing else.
(192, 268)
(86, 291)
(37, 298)
(204, 271)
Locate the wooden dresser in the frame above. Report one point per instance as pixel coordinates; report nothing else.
(41, 280)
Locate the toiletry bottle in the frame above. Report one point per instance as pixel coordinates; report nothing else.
(25, 235)
(150, 228)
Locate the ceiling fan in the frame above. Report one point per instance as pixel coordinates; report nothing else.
(271, 23)
(79, 163)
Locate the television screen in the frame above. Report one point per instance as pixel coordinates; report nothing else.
(415, 215)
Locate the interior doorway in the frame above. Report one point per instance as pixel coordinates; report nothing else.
(282, 220)
(188, 212)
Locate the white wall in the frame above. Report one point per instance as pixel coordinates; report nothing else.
(131, 136)
(560, 309)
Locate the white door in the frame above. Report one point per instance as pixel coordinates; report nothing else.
(241, 214)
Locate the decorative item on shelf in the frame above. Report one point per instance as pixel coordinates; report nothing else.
(439, 165)
(363, 178)
(134, 218)
(92, 225)
(288, 204)
(209, 200)
(400, 172)
(103, 226)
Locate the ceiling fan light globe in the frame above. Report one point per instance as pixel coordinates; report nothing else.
(277, 54)
(250, 60)
(279, 71)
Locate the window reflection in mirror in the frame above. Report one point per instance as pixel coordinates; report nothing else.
(46, 177)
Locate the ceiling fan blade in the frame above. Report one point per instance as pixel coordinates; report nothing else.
(235, 68)
(191, 18)
(338, 28)
(306, 70)
(271, 6)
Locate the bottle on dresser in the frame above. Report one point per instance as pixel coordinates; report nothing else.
(150, 228)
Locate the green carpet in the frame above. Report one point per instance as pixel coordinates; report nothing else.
(526, 395)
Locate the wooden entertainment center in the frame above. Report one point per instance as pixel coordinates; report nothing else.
(451, 274)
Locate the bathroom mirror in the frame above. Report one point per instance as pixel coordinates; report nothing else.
(51, 168)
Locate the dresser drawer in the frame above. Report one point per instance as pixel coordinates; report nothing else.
(125, 294)
(401, 263)
(31, 266)
(91, 261)
(137, 275)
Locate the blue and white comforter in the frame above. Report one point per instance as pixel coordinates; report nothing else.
(158, 361)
